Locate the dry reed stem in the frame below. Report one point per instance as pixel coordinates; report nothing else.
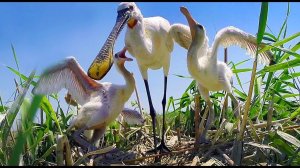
(260, 125)
(201, 126)
(62, 142)
(222, 125)
(227, 158)
(224, 108)
(96, 152)
(248, 101)
(195, 161)
(204, 146)
(254, 131)
(137, 97)
(206, 154)
(270, 113)
(197, 119)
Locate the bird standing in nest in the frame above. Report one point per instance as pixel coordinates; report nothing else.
(150, 40)
(211, 74)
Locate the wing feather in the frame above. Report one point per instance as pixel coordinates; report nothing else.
(131, 117)
(181, 35)
(229, 36)
(68, 75)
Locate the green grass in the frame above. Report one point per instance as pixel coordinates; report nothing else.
(273, 95)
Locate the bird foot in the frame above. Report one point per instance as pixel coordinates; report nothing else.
(203, 140)
(83, 142)
(92, 148)
(162, 148)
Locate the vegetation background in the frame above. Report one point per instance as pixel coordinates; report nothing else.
(271, 114)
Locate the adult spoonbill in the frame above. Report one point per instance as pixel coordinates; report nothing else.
(202, 63)
(101, 103)
(150, 41)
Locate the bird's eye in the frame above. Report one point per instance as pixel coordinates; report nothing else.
(116, 55)
(131, 7)
(200, 26)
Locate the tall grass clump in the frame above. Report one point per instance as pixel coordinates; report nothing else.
(270, 108)
(269, 133)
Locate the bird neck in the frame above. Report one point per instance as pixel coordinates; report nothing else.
(198, 48)
(140, 36)
(214, 49)
(130, 82)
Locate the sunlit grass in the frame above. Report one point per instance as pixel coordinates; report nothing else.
(272, 127)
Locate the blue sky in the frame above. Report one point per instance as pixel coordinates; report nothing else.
(45, 33)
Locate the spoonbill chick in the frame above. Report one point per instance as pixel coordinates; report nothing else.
(211, 74)
(101, 103)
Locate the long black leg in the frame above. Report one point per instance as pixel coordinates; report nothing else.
(82, 141)
(152, 114)
(162, 147)
(164, 106)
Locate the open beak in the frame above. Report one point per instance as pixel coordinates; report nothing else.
(104, 60)
(121, 54)
(190, 19)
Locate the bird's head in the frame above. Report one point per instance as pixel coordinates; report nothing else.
(120, 57)
(104, 60)
(132, 11)
(197, 30)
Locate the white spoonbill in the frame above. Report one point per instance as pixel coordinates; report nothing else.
(101, 103)
(150, 41)
(202, 63)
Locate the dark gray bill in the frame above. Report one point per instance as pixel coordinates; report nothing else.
(104, 60)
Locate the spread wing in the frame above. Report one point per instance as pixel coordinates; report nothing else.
(131, 117)
(69, 75)
(229, 36)
(181, 35)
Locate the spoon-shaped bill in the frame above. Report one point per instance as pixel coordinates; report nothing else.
(104, 60)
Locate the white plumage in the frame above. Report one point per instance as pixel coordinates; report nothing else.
(202, 63)
(151, 40)
(181, 35)
(101, 103)
(230, 35)
(67, 74)
(131, 117)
